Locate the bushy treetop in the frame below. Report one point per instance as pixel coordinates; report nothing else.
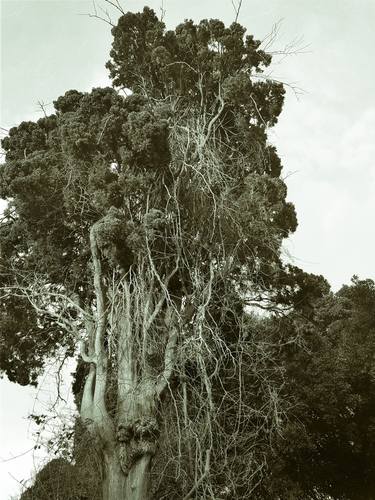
(181, 169)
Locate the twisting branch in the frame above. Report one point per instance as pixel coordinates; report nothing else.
(86, 357)
(58, 382)
(159, 305)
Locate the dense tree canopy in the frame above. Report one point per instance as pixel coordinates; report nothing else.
(134, 166)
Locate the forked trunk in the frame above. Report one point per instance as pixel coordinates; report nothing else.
(127, 442)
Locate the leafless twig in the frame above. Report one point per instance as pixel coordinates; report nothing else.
(237, 7)
(107, 18)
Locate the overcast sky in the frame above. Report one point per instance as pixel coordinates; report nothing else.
(326, 138)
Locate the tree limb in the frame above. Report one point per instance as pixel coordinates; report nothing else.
(100, 330)
(169, 355)
(213, 121)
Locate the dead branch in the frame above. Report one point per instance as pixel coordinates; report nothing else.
(42, 106)
(170, 352)
(116, 4)
(107, 19)
(237, 8)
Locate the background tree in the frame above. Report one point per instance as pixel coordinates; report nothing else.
(141, 228)
(328, 444)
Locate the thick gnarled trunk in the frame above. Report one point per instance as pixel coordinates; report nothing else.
(128, 450)
(126, 442)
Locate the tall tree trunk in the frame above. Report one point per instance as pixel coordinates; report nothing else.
(127, 442)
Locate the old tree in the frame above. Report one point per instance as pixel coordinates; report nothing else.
(141, 228)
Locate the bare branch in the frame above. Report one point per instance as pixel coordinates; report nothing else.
(213, 121)
(162, 11)
(257, 110)
(37, 293)
(103, 129)
(163, 297)
(42, 106)
(100, 18)
(116, 4)
(202, 478)
(107, 19)
(170, 352)
(237, 8)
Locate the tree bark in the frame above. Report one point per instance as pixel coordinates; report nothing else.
(127, 461)
(135, 485)
(138, 484)
(128, 450)
(114, 481)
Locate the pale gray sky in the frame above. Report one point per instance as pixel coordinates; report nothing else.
(326, 139)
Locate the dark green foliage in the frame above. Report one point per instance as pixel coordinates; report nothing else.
(145, 57)
(52, 481)
(24, 343)
(68, 102)
(300, 289)
(328, 446)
